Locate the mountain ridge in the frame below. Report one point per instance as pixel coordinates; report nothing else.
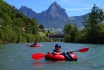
(53, 17)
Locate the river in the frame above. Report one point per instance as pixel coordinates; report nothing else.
(18, 57)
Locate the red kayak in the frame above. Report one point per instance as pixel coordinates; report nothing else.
(60, 57)
(35, 45)
(69, 56)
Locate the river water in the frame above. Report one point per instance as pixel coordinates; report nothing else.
(18, 57)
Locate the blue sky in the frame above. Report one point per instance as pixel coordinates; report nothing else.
(72, 7)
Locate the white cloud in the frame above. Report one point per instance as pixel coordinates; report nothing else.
(68, 1)
(64, 1)
(77, 9)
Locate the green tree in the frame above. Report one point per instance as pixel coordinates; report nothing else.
(41, 26)
(16, 27)
(34, 26)
(71, 33)
(92, 23)
(68, 28)
(48, 31)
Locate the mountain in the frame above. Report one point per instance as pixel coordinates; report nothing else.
(53, 17)
(28, 12)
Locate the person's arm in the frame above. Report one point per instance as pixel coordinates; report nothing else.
(68, 52)
(51, 52)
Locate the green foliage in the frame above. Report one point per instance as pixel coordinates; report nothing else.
(93, 31)
(93, 23)
(68, 28)
(81, 37)
(41, 26)
(67, 38)
(15, 27)
(7, 35)
(71, 33)
(48, 31)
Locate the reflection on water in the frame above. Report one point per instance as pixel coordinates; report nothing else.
(52, 61)
(39, 64)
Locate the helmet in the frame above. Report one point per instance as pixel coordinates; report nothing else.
(58, 45)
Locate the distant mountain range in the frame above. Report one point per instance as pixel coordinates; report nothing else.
(53, 17)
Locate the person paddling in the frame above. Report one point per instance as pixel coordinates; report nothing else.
(57, 50)
(35, 43)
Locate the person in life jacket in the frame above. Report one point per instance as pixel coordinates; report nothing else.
(35, 43)
(58, 50)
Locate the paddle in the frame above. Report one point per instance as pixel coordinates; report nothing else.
(38, 56)
(40, 45)
(28, 45)
(82, 50)
(32, 44)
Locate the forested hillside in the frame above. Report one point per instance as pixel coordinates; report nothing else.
(16, 27)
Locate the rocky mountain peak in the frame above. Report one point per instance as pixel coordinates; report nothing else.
(24, 8)
(54, 17)
(27, 11)
(55, 11)
(54, 7)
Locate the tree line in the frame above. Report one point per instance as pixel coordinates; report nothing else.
(16, 27)
(93, 30)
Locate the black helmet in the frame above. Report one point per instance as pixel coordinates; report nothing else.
(58, 45)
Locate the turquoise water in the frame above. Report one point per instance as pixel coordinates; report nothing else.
(18, 57)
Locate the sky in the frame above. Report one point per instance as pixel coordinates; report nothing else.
(72, 7)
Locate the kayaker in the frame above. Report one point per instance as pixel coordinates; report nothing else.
(35, 43)
(57, 50)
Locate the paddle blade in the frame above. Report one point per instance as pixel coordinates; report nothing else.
(37, 56)
(40, 45)
(27, 45)
(83, 49)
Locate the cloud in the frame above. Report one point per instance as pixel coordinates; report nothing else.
(68, 1)
(77, 9)
(64, 1)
